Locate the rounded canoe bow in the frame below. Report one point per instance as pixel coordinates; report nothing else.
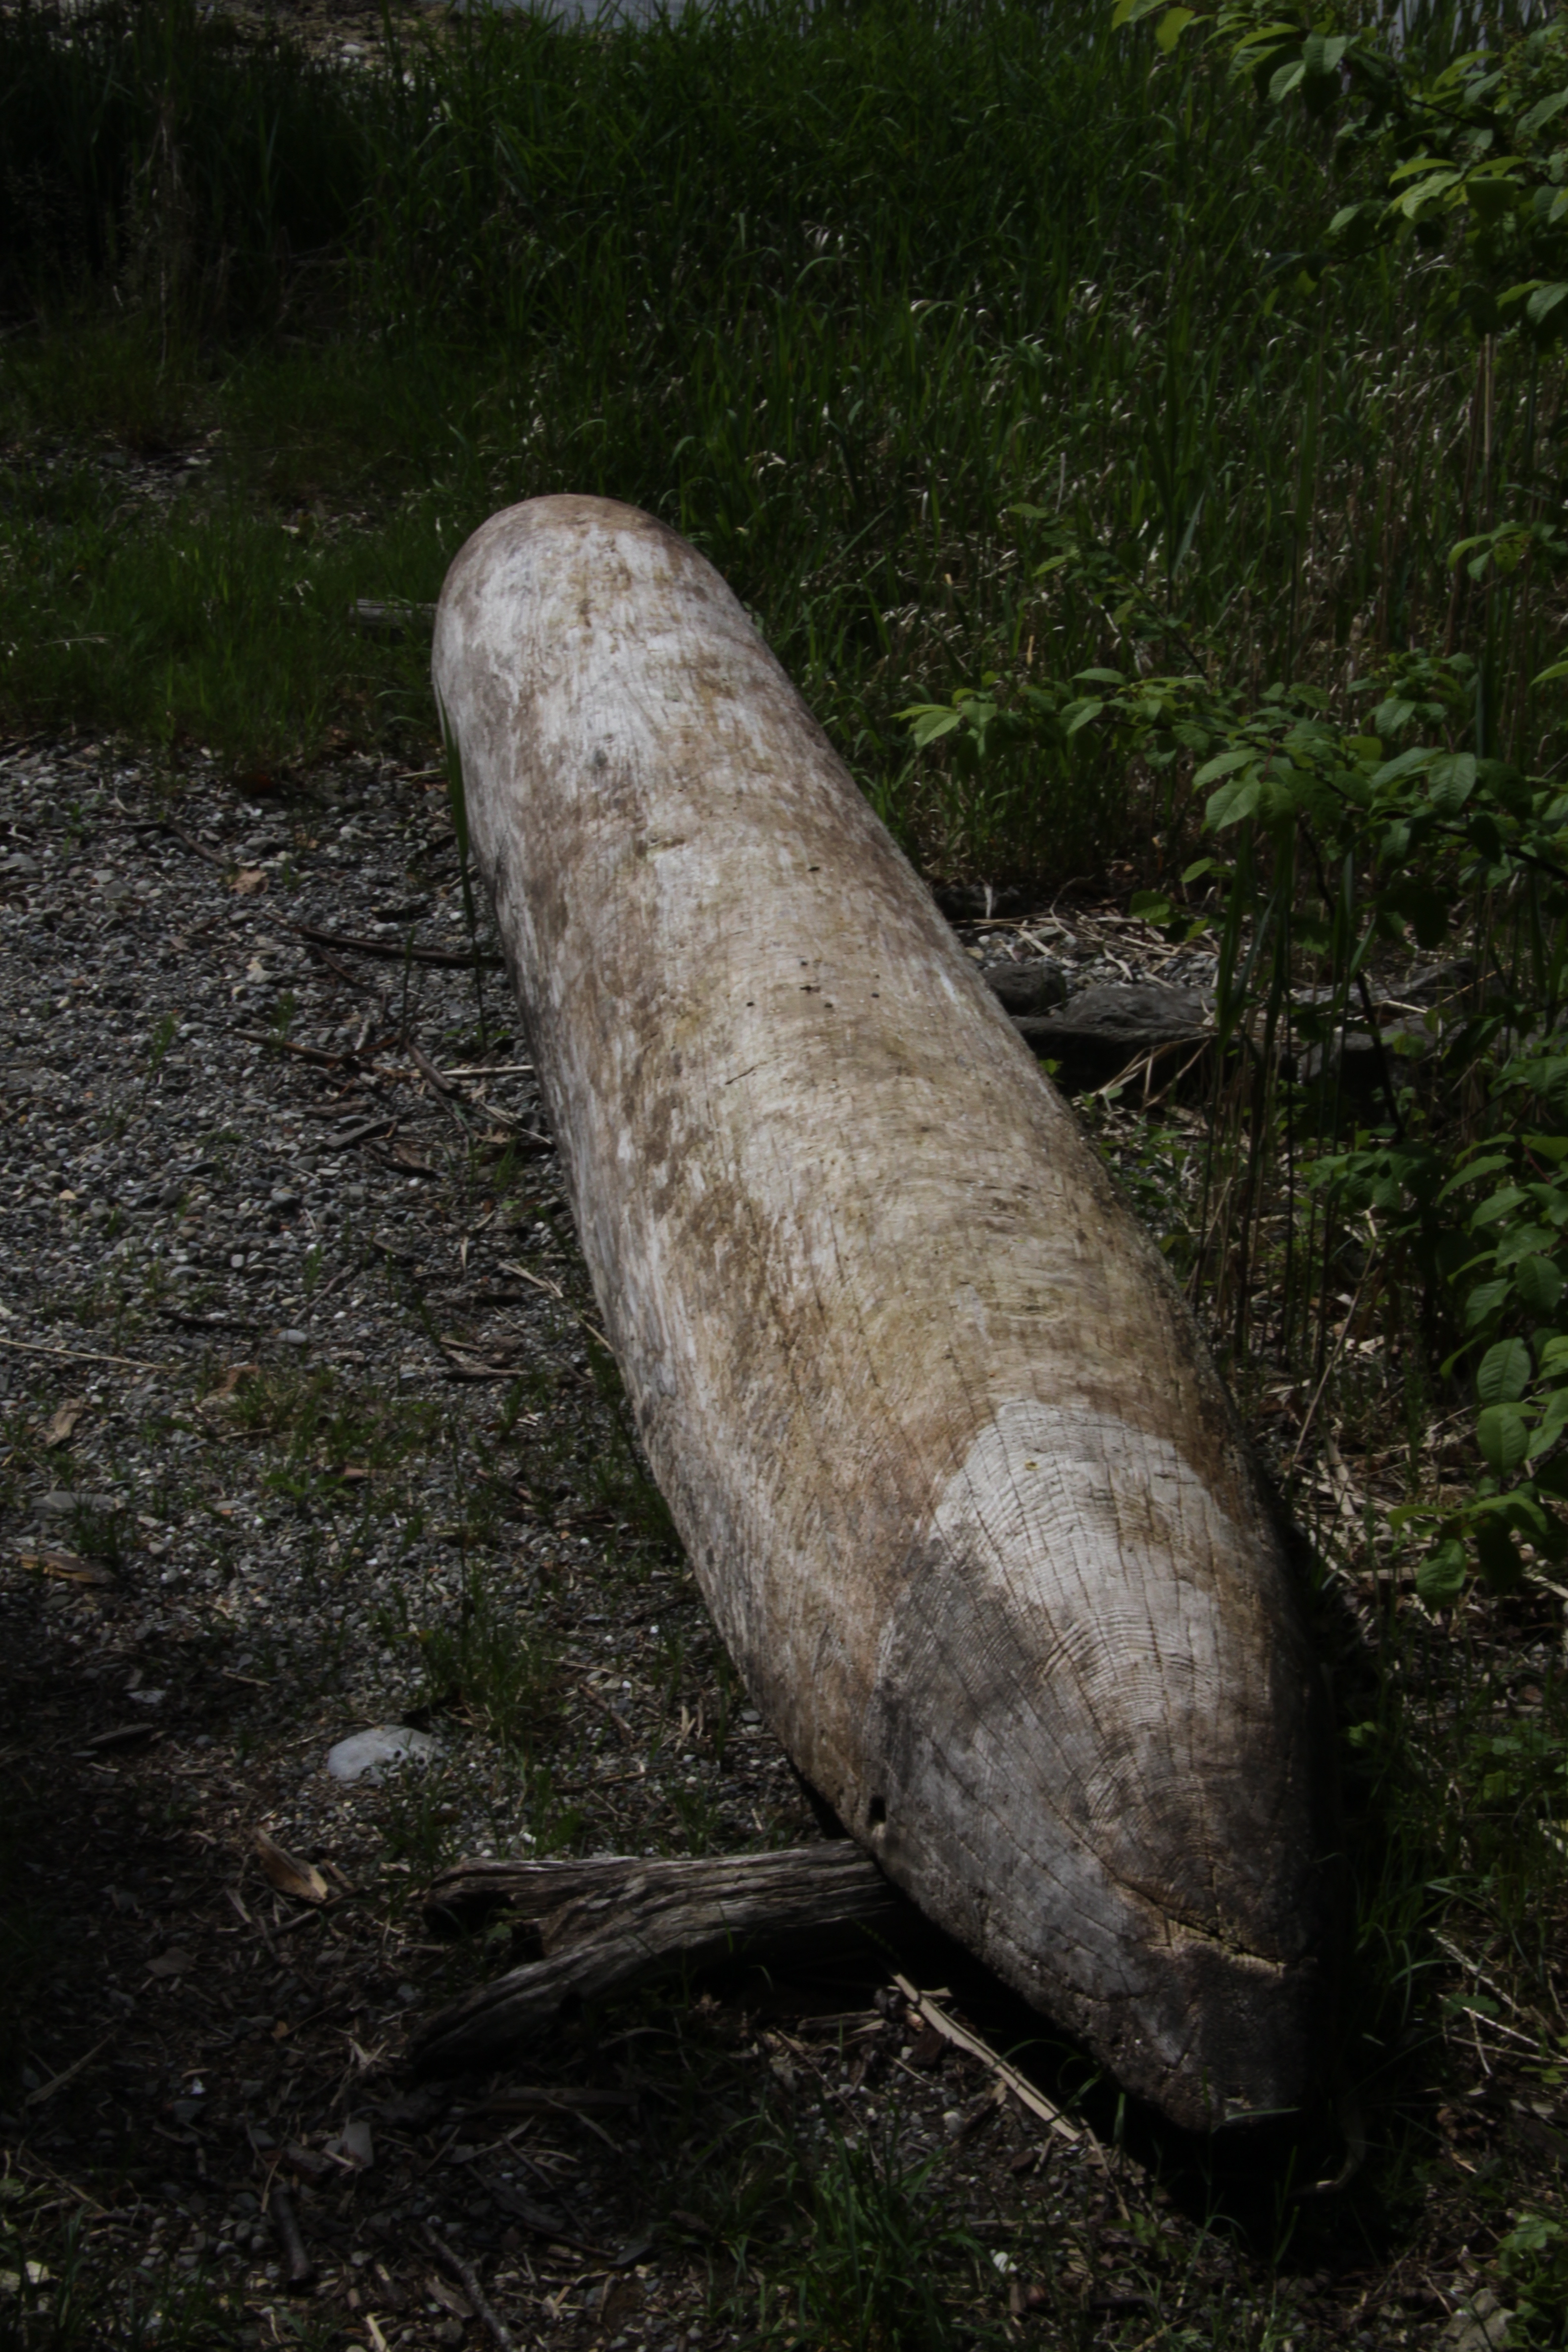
(962, 1489)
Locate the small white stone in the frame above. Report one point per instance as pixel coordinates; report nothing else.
(362, 1756)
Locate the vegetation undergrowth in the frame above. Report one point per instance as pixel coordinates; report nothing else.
(864, 304)
(1372, 843)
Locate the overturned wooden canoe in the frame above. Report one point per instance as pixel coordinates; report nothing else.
(964, 1492)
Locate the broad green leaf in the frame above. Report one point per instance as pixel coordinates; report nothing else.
(1285, 79)
(1498, 1206)
(1080, 714)
(1472, 1173)
(1451, 782)
(1539, 1284)
(1542, 113)
(930, 724)
(1551, 1425)
(1321, 52)
(1153, 905)
(1232, 803)
(1426, 191)
(1226, 764)
(1530, 1238)
(1441, 1575)
(1544, 302)
(1503, 1436)
(1171, 25)
(1554, 1355)
(1412, 164)
(1420, 755)
(1483, 1301)
(1504, 1372)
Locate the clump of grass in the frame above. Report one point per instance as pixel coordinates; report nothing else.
(58, 2299)
(490, 1664)
(845, 2244)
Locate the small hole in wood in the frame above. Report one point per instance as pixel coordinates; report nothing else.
(878, 1813)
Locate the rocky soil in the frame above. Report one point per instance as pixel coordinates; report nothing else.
(306, 1431)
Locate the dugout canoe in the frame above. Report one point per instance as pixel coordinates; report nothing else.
(962, 1490)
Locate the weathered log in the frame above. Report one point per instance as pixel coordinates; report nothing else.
(964, 1492)
(1028, 990)
(1119, 1026)
(609, 1924)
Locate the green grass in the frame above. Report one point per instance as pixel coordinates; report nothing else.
(846, 2244)
(835, 300)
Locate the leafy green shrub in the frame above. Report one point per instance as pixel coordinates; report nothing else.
(1534, 2259)
(1429, 820)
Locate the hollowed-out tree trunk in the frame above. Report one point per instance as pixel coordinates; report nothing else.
(964, 1494)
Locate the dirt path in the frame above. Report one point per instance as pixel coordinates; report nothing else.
(304, 1431)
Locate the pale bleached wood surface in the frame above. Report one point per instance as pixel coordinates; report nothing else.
(965, 1495)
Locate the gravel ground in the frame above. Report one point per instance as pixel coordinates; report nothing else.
(305, 1430)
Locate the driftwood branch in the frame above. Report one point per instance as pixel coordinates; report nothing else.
(608, 1926)
(1106, 1031)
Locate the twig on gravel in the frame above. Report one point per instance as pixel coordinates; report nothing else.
(553, 1290)
(302, 2269)
(465, 2274)
(442, 1085)
(962, 2039)
(318, 1053)
(450, 958)
(335, 1282)
(57, 2081)
(464, 1364)
(87, 1356)
(188, 841)
(444, 1091)
(364, 1130)
(350, 980)
(539, 1281)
